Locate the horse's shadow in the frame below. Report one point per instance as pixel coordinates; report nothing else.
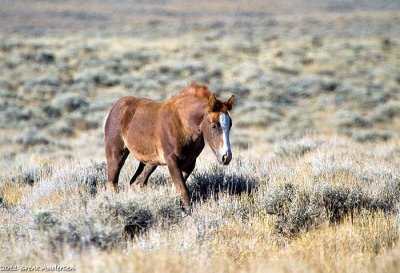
(203, 186)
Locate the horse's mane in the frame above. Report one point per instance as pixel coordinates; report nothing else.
(195, 90)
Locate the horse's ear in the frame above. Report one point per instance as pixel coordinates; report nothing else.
(230, 102)
(212, 102)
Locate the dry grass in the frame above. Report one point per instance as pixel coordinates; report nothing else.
(331, 208)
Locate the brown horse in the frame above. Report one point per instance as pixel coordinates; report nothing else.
(168, 133)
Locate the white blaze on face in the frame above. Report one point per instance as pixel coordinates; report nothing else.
(225, 122)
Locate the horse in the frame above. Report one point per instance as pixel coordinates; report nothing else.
(171, 132)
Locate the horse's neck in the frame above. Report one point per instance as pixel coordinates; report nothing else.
(191, 111)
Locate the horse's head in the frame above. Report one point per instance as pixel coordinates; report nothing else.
(216, 125)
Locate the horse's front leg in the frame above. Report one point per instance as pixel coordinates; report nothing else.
(179, 181)
(188, 170)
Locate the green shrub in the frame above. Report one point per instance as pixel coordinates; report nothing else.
(386, 112)
(294, 148)
(69, 102)
(45, 220)
(300, 209)
(348, 119)
(127, 214)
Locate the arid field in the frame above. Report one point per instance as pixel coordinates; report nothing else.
(314, 184)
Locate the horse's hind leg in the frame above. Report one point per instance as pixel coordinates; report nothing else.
(137, 173)
(116, 154)
(142, 180)
(148, 170)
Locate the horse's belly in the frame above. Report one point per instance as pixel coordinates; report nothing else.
(147, 154)
(153, 160)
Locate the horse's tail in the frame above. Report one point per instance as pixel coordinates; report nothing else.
(104, 122)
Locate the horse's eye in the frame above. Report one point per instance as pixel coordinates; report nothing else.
(213, 125)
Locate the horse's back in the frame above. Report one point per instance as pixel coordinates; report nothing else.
(125, 109)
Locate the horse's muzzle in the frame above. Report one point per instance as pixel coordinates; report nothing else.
(226, 158)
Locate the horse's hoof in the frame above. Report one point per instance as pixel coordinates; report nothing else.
(186, 212)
